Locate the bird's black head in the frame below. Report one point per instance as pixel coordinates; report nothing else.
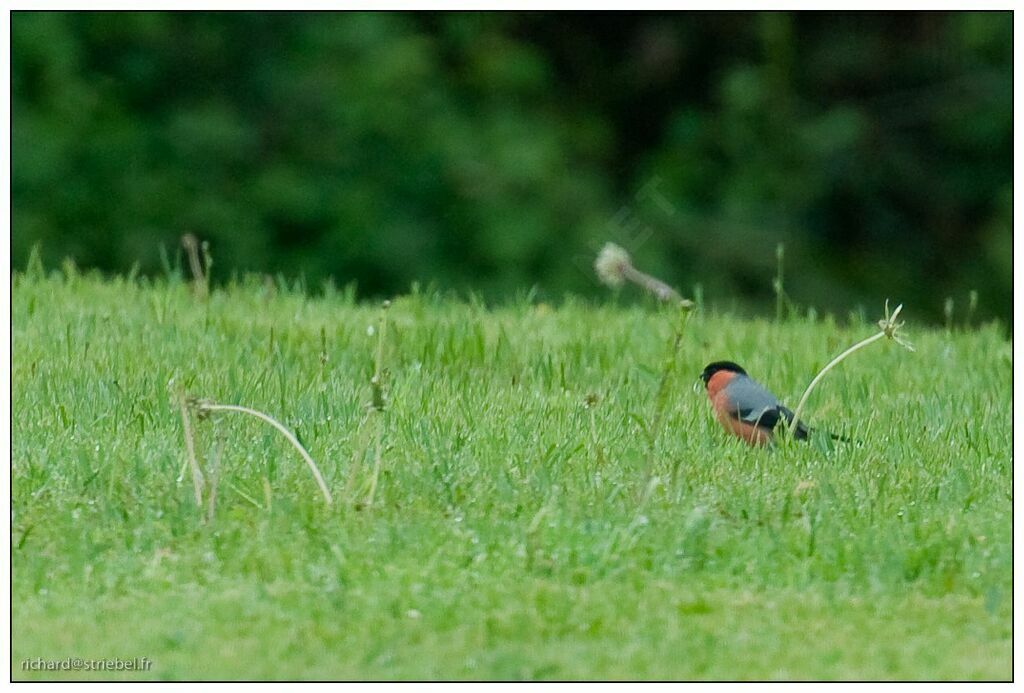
(712, 368)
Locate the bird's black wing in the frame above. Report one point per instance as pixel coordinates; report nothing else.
(801, 431)
(753, 403)
(768, 417)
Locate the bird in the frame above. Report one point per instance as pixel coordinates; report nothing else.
(744, 407)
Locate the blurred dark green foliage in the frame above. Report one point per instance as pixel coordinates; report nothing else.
(499, 151)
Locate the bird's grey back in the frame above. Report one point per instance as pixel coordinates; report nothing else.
(753, 402)
(750, 394)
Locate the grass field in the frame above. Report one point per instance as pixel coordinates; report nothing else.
(539, 511)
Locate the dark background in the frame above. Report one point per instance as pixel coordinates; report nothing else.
(497, 152)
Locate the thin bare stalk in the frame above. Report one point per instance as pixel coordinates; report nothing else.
(190, 448)
(832, 364)
(210, 406)
(378, 402)
(200, 281)
(780, 255)
(889, 328)
(376, 382)
(972, 305)
(211, 499)
(661, 396)
(376, 468)
(661, 290)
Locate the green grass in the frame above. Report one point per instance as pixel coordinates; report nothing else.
(515, 532)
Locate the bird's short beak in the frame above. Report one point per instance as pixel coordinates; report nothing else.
(698, 385)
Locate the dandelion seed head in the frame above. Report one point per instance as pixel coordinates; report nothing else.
(611, 265)
(891, 327)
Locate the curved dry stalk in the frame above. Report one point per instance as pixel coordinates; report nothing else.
(889, 328)
(831, 364)
(210, 406)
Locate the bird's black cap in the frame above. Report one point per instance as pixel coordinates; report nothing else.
(712, 368)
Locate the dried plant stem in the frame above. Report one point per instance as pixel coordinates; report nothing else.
(200, 281)
(780, 256)
(211, 499)
(661, 290)
(376, 467)
(378, 402)
(888, 326)
(207, 406)
(190, 448)
(661, 397)
(832, 364)
(376, 382)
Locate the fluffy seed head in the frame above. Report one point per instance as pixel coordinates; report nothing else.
(611, 265)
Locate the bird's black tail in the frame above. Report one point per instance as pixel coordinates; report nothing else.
(803, 432)
(836, 436)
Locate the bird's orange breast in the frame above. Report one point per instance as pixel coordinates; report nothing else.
(718, 381)
(725, 412)
(749, 433)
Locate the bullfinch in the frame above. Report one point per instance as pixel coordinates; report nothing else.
(744, 407)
